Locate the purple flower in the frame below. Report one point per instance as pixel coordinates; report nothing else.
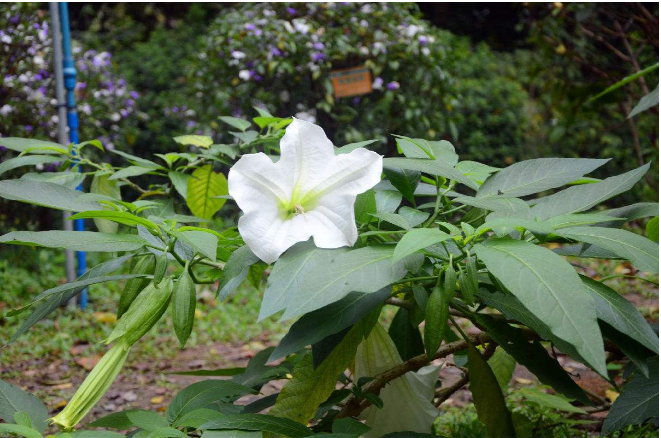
(130, 102)
(42, 90)
(81, 85)
(318, 46)
(175, 109)
(3, 149)
(318, 56)
(250, 64)
(36, 25)
(190, 124)
(28, 128)
(110, 85)
(291, 11)
(423, 40)
(133, 94)
(356, 100)
(276, 52)
(250, 26)
(392, 86)
(38, 77)
(121, 82)
(221, 55)
(256, 77)
(123, 112)
(15, 19)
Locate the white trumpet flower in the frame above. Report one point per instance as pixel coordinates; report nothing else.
(309, 192)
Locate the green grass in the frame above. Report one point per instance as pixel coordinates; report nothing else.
(231, 321)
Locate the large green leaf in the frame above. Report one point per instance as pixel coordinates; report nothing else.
(75, 240)
(103, 185)
(406, 338)
(121, 217)
(646, 102)
(365, 205)
(504, 205)
(549, 400)
(27, 160)
(202, 141)
(46, 194)
(125, 420)
(502, 365)
(638, 402)
(310, 386)
(534, 176)
(432, 167)
(488, 397)
(478, 172)
(203, 242)
(387, 201)
(331, 319)
(360, 270)
(68, 179)
(180, 182)
(204, 394)
(619, 313)
(404, 180)
(237, 123)
(632, 212)
(22, 144)
(137, 160)
(583, 197)
(530, 354)
(236, 270)
(549, 287)
(265, 423)
(13, 399)
(416, 240)
(421, 148)
(204, 188)
(55, 300)
(642, 252)
(130, 171)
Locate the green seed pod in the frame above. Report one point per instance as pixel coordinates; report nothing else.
(467, 288)
(183, 307)
(161, 266)
(471, 273)
(450, 283)
(145, 311)
(436, 317)
(134, 286)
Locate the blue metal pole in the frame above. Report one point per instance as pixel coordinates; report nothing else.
(69, 71)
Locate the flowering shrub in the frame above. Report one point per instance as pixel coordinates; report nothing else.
(438, 239)
(27, 94)
(279, 56)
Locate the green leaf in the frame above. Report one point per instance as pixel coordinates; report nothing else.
(23, 144)
(406, 338)
(436, 320)
(534, 176)
(13, 399)
(310, 386)
(632, 212)
(488, 397)
(502, 365)
(631, 348)
(387, 201)
(137, 160)
(505, 225)
(416, 240)
(239, 124)
(75, 240)
(55, 300)
(204, 243)
(129, 171)
(231, 434)
(365, 205)
(68, 179)
(404, 180)
(201, 141)
(121, 217)
(361, 270)
(413, 217)
(421, 148)
(652, 229)
(394, 219)
(348, 148)
(265, 423)
(27, 160)
(648, 101)
(20, 430)
(102, 185)
(226, 149)
(478, 172)
(638, 402)
(204, 185)
(204, 394)
(623, 82)
(93, 434)
(549, 287)
(530, 354)
(180, 182)
(619, 313)
(331, 319)
(642, 252)
(350, 427)
(223, 372)
(577, 220)
(128, 419)
(46, 195)
(236, 270)
(580, 198)
(432, 167)
(549, 401)
(504, 205)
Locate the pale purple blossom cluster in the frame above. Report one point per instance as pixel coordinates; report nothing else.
(27, 94)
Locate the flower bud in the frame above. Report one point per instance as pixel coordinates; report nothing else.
(161, 266)
(135, 285)
(95, 385)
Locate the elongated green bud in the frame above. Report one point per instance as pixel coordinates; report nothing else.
(183, 307)
(161, 266)
(144, 312)
(467, 288)
(134, 286)
(95, 385)
(450, 283)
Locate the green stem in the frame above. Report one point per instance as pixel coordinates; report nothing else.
(610, 277)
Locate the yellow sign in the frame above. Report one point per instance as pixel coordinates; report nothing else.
(351, 82)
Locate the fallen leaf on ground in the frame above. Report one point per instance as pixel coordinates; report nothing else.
(88, 362)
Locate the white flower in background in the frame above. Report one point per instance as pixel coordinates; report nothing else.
(284, 96)
(377, 84)
(412, 30)
(307, 116)
(236, 54)
(244, 74)
(5, 110)
(309, 192)
(425, 51)
(301, 26)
